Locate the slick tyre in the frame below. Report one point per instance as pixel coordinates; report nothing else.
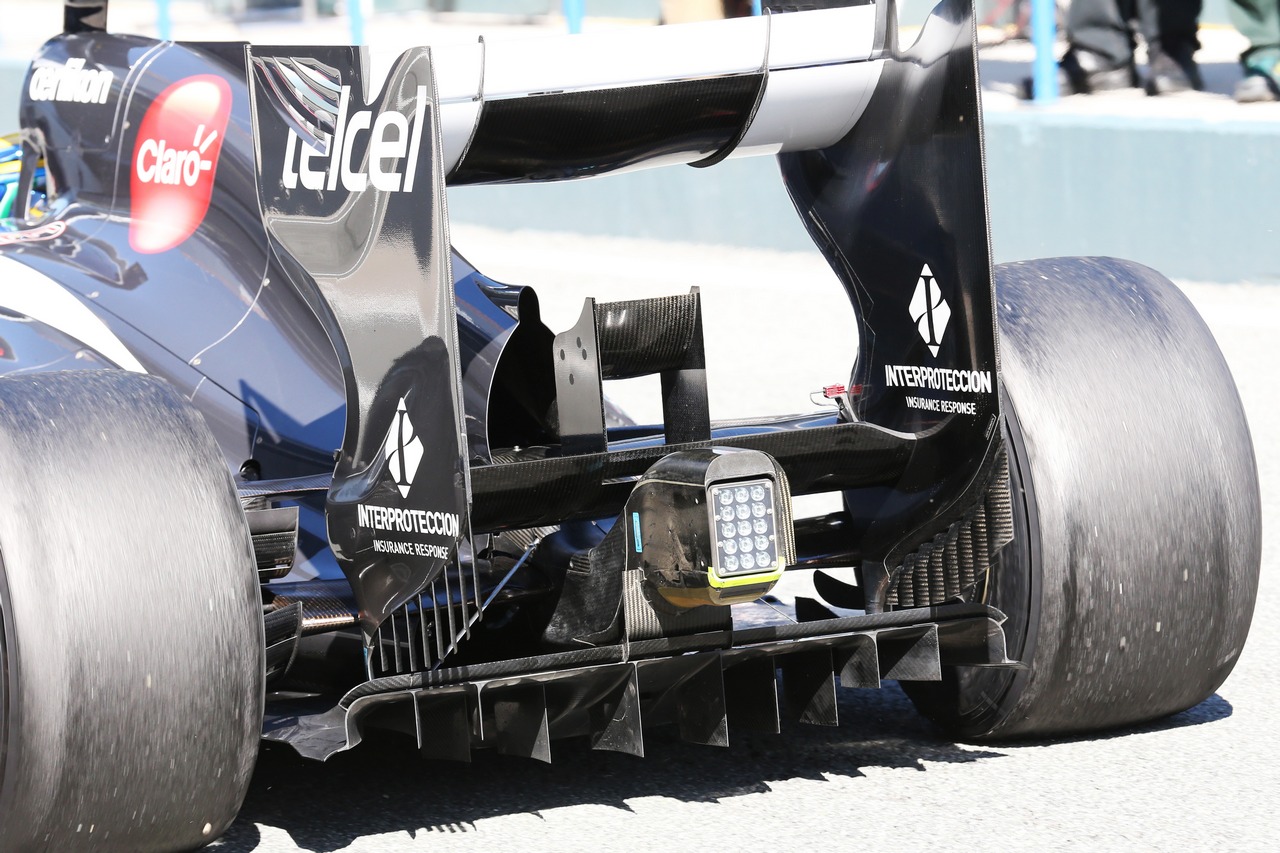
(1131, 580)
(131, 649)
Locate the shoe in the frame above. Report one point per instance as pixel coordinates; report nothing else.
(1261, 81)
(1083, 72)
(1256, 88)
(1172, 73)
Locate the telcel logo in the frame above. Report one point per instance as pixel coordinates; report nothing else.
(175, 159)
(391, 160)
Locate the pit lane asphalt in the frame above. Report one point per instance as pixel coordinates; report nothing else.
(883, 779)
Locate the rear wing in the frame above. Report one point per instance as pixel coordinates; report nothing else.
(880, 148)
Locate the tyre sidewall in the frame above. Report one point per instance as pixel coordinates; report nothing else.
(1143, 491)
(132, 618)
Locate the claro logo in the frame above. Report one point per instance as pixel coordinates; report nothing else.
(175, 159)
(391, 159)
(157, 163)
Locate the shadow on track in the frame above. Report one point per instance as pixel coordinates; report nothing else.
(383, 786)
(1209, 711)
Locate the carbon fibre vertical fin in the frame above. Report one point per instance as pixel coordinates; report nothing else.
(809, 685)
(701, 710)
(615, 722)
(858, 663)
(751, 693)
(444, 726)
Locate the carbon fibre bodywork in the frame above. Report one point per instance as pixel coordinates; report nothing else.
(267, 230)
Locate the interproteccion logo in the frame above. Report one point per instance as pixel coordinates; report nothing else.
(403, 449)
(929, 310)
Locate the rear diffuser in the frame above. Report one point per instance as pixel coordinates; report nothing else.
(751, 678)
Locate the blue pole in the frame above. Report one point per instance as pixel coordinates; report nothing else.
(1044, 71)
(755, 7)
(574, 10)
(164, 23)
(355, 15)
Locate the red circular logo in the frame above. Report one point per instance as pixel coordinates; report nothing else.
(175, 158)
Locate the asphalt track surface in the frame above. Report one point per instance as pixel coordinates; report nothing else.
(777, 328)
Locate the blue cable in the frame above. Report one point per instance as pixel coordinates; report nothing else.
(574, 12)
(1044, 31)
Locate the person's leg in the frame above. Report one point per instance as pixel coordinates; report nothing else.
(1101, 28)
(1259, 22)
(1169, 27)
(1100, 53)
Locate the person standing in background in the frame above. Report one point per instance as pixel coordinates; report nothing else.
(1101, 39)
(1259, 22)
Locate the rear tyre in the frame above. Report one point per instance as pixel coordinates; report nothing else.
(131, 648)
(1131, 580)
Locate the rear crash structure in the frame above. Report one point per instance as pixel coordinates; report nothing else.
(432, 516)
